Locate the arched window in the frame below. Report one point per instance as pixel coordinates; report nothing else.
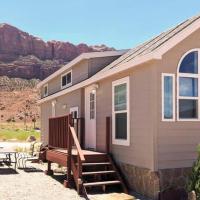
(188, 87)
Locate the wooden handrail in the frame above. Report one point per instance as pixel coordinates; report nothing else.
(77, 144)
(76, 169)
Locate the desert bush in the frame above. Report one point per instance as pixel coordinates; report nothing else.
(194, 179)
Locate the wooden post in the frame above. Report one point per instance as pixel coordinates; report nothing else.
(69, 154)
(49, 171)
(82, 133)
(108, 134)
(79, 175)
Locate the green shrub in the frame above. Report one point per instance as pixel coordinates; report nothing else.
(194, 179)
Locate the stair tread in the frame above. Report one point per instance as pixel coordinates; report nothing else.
(99, 163)
(99, 172)
(102, 183)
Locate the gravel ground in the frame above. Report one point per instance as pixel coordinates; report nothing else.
(33, 184)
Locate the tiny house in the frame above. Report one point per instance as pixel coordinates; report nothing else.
(151, 94)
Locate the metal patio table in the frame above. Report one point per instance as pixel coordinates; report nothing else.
(8, 153)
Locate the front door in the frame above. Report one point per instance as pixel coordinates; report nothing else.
(90, 118)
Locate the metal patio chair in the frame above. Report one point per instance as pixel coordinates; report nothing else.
(32, 155)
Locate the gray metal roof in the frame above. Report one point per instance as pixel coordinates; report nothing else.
(152, 44)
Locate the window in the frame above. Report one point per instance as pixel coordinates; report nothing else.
(66, 80)
(46, 90)
(120, 112)
(92, 105)
(168, 94)
(188, 87)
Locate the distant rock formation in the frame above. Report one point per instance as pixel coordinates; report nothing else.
(25, 56)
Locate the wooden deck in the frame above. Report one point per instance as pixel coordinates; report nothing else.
(60, 156)
(75, 152)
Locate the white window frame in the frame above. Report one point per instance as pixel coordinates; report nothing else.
(46, 94)
(173, 93)
(69, 84)
(189, 76)
(114, 140)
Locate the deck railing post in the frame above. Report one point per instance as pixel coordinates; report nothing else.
(108, 134)
(82, 133)
(69, 152)
(79, 174)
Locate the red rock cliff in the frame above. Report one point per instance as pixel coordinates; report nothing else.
(25, 56)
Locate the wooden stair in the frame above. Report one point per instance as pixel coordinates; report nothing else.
(91, 170)
(98, 172)
(101, 183)
(100, 175)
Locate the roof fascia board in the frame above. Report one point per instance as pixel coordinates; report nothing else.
(105, 74)
(78, 59)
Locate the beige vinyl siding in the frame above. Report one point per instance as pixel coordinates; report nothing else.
(96, 64)
(177, 141)
(79, 73)
(54, 85)
(141, 151)
(73, 99)
(46, 112)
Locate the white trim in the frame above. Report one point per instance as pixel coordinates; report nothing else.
(173, 94)
(114, 140)
(47, 86)
(189, 75)
(67, 84)
(81, 57)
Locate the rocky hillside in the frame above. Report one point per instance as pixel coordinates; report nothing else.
(25, 56)
(16, 84)
(18, 99)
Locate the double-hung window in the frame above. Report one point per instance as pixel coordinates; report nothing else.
(66, 80)
(120, 112)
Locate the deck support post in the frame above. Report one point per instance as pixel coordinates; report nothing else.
(68, 183)
(79, 182)
(49, 171)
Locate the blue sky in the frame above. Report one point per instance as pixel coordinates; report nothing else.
(118, 23)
